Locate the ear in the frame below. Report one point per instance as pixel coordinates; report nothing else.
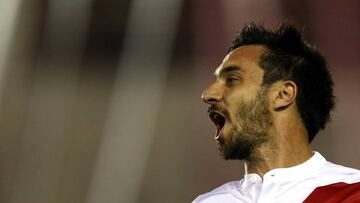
(284, 94)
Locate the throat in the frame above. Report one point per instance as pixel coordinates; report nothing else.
(267, 158)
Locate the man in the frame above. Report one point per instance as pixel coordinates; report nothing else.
(272, 95)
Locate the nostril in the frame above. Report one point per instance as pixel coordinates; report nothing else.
(210, 98)
(211, 101)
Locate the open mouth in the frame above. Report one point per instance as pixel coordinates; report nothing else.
(218, 119)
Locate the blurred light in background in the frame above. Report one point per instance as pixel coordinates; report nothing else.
(8, 19)
(136, 101)
(100, 99)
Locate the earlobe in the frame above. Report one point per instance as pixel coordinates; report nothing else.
(286, 92)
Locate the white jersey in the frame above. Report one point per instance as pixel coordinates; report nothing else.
(295, 184)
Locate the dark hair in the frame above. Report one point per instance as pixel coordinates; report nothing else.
(289, 57)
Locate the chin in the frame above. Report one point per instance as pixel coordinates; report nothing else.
(236, 151)
(237, 157)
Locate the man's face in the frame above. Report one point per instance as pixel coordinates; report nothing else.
(239, 104)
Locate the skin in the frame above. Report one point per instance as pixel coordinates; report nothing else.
(239, 80)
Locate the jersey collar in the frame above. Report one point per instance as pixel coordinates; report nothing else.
(308, 169)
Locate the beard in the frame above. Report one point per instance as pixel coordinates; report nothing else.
(250, 128)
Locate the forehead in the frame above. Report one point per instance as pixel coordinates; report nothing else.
(246, 58)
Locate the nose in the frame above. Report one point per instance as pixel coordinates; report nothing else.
(212, 94)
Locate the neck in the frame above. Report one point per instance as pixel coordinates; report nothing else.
(282, 150)
(261, 163)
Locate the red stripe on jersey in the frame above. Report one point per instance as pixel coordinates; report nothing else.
(334, 193)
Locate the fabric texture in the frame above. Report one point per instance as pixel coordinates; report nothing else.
(337, 192)
(312, 181)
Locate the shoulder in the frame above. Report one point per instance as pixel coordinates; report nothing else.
(337, 183)
(219, 194)
(338, 173)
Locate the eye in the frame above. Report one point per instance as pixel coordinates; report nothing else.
(231, 80)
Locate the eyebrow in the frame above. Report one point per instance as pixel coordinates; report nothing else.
(228, 69)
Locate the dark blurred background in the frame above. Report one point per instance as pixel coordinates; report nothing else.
(100, 99)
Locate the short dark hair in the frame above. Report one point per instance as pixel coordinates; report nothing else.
(289, 57)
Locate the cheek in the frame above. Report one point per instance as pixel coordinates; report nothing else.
(234, 122)
(233, 99)
(243, 93)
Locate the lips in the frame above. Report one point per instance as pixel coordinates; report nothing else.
(219, 120)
